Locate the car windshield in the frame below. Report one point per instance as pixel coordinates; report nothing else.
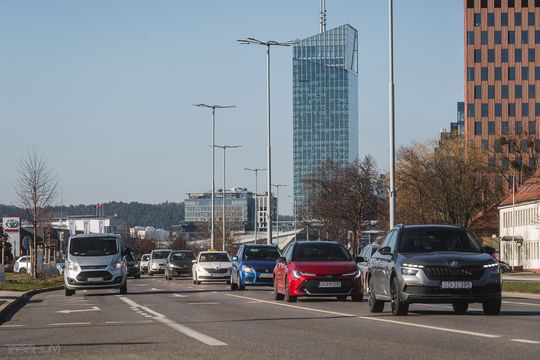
(130, 257)
(145, 257)
(182, 256)
(320, 251)
(433, 240)
(93, 246)
(160, 254)
(214, 257)
(261, 253)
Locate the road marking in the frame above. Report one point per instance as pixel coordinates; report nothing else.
(472, 333)
(67, 324)
(154, 289)
(519, 303)
(204, 303)
(180, 295)
(13, 325)
(93, 308)
(205, 339)
(524, 341)
(114, 322)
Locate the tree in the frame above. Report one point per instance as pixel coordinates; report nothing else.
(36, 189)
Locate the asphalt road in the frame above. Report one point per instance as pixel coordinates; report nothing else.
(178, 320)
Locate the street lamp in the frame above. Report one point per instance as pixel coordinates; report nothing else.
(256, 211)
(277, 186)
(224, 147)
(268, 44)
(391, 115)
(213, 107)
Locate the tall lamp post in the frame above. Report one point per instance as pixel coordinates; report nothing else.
(391, 115)
(213, 107)
(268, 44)
(277, 186)
(256, 209)
(223, 193)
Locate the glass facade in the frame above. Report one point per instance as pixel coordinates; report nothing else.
(325, 102)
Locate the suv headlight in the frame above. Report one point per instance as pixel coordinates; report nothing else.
(72, 266)
(408, 271)
(493, 268)
(248, 269)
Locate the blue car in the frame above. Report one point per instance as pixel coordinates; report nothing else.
(253, 265)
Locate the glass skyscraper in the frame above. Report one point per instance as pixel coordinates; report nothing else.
(325, 102)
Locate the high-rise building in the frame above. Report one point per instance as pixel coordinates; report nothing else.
(502, 73)
(325, 102)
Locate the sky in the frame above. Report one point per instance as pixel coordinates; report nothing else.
(105, 89)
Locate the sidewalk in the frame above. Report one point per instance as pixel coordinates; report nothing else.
(521, 276)
(13, 298)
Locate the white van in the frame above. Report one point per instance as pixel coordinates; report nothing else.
(95, 261)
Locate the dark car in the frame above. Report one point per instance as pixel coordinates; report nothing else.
(132, 265)
(253, 265)
(433, 264)
(179, 263)
(363, 262)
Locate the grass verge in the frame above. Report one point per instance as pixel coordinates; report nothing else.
(2, 301)
(23, 282)
(530, 287)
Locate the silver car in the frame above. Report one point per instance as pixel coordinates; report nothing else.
(156, 263)
(95, 261)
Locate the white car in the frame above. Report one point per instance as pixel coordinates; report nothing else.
(212, 266)
(22, 265)
(144, 263)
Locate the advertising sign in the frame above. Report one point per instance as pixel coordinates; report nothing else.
(12, 227)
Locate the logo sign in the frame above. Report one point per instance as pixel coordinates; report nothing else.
(454, 264)
(11, 224)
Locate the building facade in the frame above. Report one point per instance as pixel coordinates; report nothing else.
(325, 102)
(502, 75)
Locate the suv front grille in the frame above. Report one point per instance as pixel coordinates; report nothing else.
(84, 267)
(433, 290)
(473, 272)
(83, 276)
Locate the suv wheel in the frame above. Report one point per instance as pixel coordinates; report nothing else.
(399, 308)
(287, 296)
(460, 308)
(375, 306)
(492, 307)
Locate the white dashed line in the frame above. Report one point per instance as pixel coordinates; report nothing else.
(524, 341)
(69, 324)
(3, 326)
(204, 303)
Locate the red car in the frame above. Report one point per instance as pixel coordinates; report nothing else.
(316, 268)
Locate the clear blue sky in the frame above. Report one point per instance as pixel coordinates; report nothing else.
(104, 89)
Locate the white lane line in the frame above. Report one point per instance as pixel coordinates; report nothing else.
(154, 289)
(204, 303)
(472, 333)
(180, 295)
(68, 324)
(114, 322)
(93, 308)
(205, 339)
(525, 341)
(519, 303)
(3, 326)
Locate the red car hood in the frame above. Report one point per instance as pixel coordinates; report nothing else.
(325, 267)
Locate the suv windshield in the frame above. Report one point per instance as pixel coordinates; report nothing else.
(160, 254)
(432, 240)
(93, 246)
(260, 253)
(182, 256)
(320, 252)
(214, 257)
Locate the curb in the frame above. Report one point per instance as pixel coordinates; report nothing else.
(521, 295)
(4, 309)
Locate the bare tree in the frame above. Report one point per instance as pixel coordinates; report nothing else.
(36, 189)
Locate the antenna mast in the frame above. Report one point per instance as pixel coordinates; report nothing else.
(323, 16)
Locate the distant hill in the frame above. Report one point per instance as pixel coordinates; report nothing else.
(158, 215)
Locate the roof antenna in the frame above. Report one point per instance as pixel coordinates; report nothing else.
(323, 16)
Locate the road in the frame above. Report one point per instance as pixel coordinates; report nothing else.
(176, 319)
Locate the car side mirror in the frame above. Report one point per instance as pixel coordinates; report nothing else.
(193, 261)
(235, 258)
(359, 259)
(488, 250)
(282, 259)
(386, 250)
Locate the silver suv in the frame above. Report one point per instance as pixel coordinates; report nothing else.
(433, 264)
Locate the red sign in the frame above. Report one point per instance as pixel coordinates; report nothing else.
(359, 233)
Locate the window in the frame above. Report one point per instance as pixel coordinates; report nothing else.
(537, 3)
(504, 91)
(537, 36)
(519, 127)
(498, 73)
(485, 145)
(511, 73)
(524, 145)
(537, 109)
(511, 37)
(491, 91)
(497, 3)
(470, 110)
(491, 127)
(504, 127)
(470, 4)
(478, 92)
(537, 145)
(518, 91)
(532, 127)
(470, 37)
(524, 3)
(477, 128)
(511, 146)
(524, 73)
(483, 4)
(511, 109)
(477, 56)
(524, 109)
(532, 19)
(531, 55)
(491, 55)
(537, 73)
(498, 109)
(532, 92)
(517, 19)
(517, 55)
(484, 74)
(491, 164)
(504, 19)
(524, 37)
(497, 37)
(470, 74)
(484, 110)
(504, 55)
(498, 147)
(491, 19)
(505, 163)
(484, 37)
(510, 3)
(477, 19)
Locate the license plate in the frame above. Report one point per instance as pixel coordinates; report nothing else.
(265, 275)
(456, 285)
(94, 279)
(330, 284)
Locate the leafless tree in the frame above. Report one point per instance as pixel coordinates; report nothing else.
(36, 189)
